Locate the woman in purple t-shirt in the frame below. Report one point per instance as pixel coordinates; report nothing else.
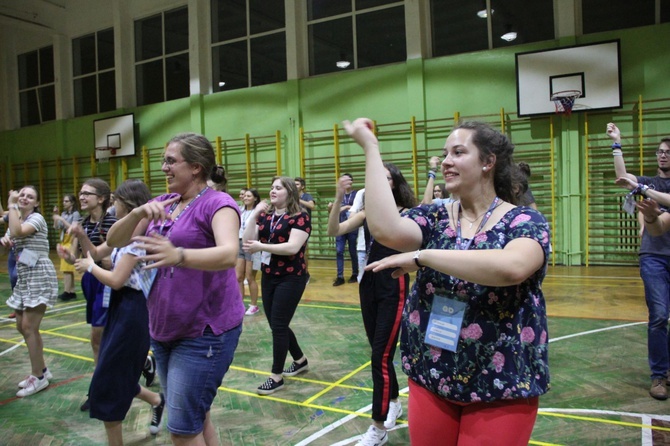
(281, 232)
(195, 307)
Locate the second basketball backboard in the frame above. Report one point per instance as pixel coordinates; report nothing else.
(594, 70)
(114, 136)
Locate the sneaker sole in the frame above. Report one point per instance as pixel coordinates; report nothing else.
(297, 372)
(269, 392)
(39, 389)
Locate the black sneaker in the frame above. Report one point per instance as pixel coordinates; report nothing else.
(339, 281)
(85, 405)
(269, 387)
(296, 368)
(157, 416)
(353, 278)
(149, 371)
(67, 296)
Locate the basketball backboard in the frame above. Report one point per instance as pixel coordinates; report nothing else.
(593, 69)
(114, 136)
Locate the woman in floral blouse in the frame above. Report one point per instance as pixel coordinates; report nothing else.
(474, 334)
(281, 232)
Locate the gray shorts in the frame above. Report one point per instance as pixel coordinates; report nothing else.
(255, 258)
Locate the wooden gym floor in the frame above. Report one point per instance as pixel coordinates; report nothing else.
(600, 377)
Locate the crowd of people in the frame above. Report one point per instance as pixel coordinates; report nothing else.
(168, 275)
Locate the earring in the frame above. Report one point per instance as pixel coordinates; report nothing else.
(484, 168)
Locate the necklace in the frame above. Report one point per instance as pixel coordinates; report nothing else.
(472, 222)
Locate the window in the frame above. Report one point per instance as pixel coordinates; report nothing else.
(346, 35)
(37, 92)
(611, 15)
(162, 70)
(93, 73)
(248, 43)
(460, 27)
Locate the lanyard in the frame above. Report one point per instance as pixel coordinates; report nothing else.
(173, 207)
(481, 225)
(273, 225)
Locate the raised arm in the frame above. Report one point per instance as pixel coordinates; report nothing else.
(251, 231)
(383, 219)
(137, 221)
(430, 184)
(115, 279)
(619, 166)
(87, 247)
(16, 228)
(354, 221)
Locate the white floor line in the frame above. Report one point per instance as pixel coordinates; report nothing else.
(647, 437)
(348, 418)
(614, 327)
(12, 348)
(338, 423)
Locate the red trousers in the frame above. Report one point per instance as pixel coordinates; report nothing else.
(501, 423)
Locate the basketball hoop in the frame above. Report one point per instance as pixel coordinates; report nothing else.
(103, 153)
(564, 100)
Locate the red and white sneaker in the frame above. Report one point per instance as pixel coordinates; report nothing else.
(253, 309)
(33, 385)
(47, 375)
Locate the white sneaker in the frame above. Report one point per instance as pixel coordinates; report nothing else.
(374, 437)
(33, 385)
(47, 375)
(253, 309)
(395, 410)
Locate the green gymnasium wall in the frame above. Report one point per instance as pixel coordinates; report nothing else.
(562, 151)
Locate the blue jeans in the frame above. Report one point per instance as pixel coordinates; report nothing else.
(655, 273)
(11, 268)
(190, 371)
(340, 240)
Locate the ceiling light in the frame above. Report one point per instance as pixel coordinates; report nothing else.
(343, 64)
(482, 14)
(509, 36)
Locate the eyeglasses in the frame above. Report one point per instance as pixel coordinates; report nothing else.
(663, 153)
(87, 193)
(170, 161)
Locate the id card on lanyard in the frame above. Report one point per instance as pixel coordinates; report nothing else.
(446, 315)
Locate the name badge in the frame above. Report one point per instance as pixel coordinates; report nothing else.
(28, 257)
(445, 323)
(265, 257)
(629, 205)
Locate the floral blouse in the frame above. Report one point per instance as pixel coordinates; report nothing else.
(502, 350)
(274, 229)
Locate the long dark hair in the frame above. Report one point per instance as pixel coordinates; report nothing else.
(507, 177)
(402, 192)
(257, 196)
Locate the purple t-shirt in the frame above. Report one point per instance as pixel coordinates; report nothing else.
(184, 301)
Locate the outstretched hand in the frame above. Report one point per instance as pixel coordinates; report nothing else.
(362, 132)
(649, 209)
(626, 183)
(403, 264)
